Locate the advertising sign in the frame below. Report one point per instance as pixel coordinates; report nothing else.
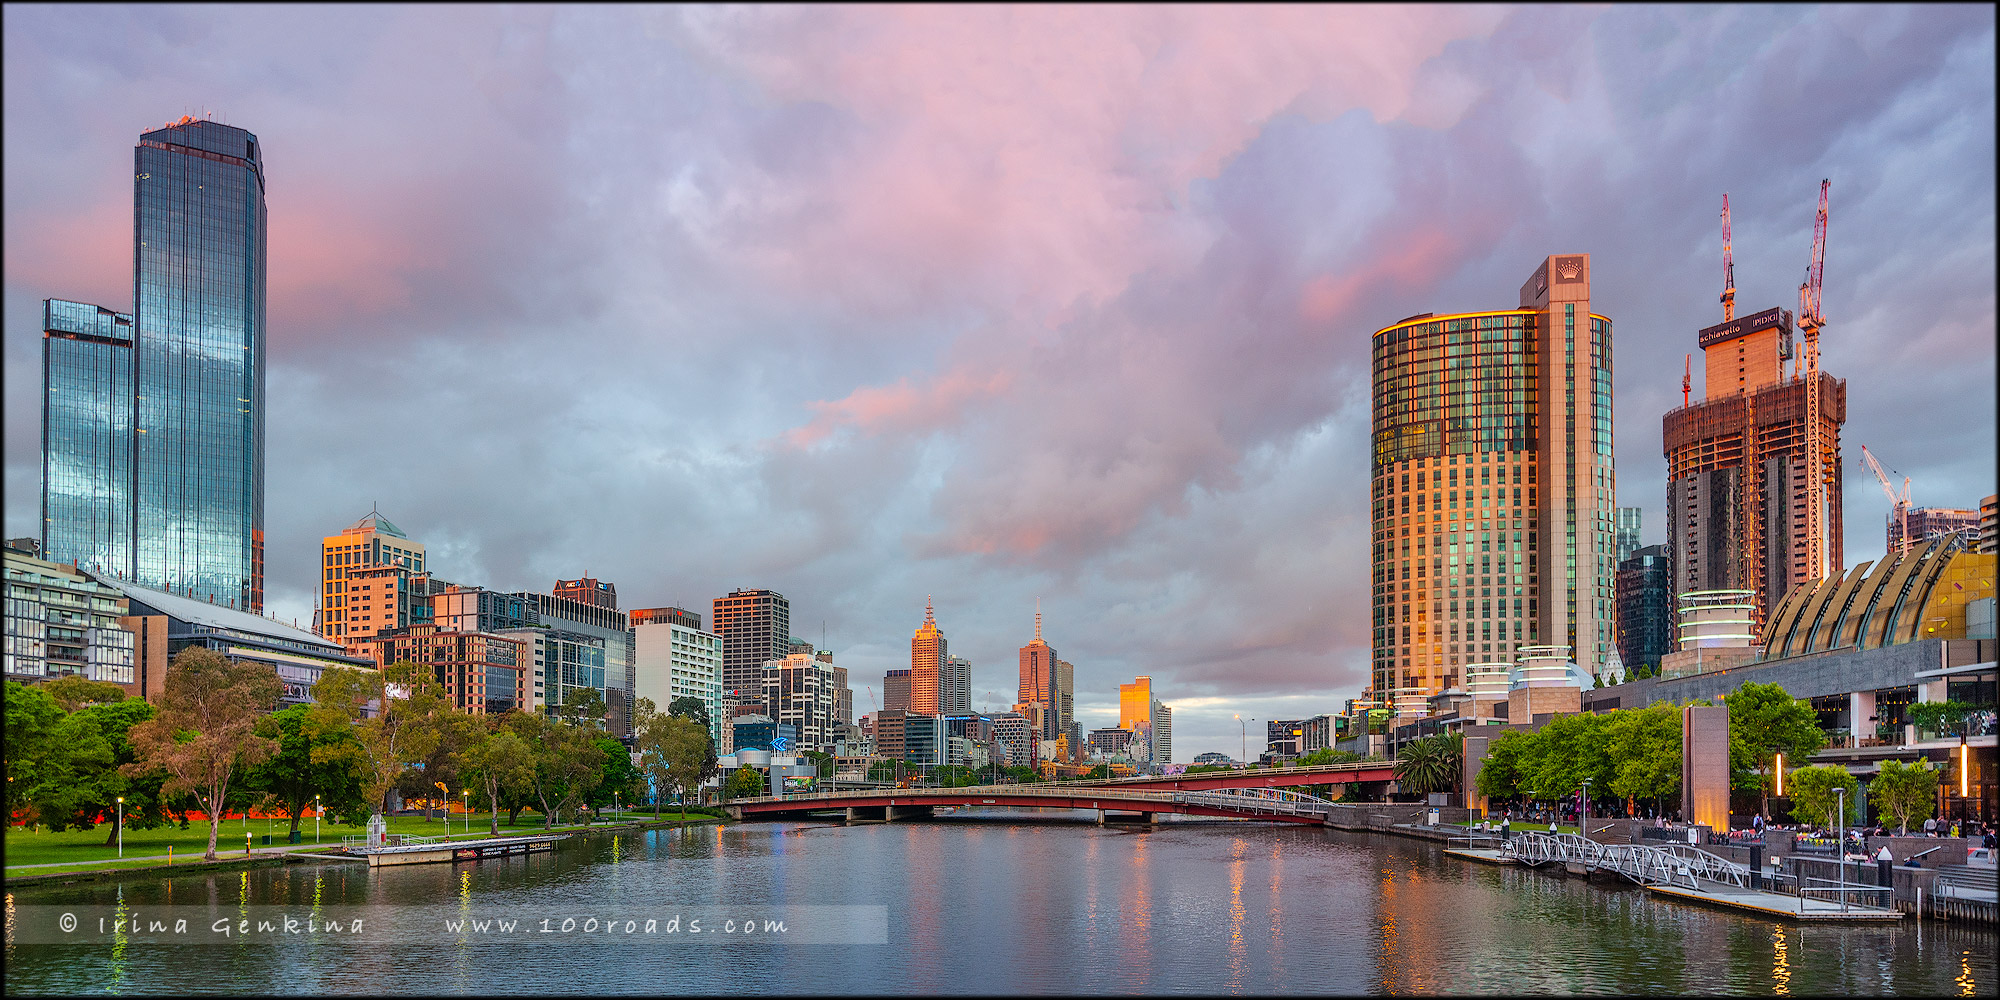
(1744, 326)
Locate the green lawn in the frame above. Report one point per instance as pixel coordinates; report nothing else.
(86, 849)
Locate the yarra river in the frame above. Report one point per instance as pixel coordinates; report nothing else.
(992, 903)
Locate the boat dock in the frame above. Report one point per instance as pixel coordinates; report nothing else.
(1683, 873)
(431, 850)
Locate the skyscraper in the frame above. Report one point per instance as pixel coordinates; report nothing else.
(372, 579)
(153, 432)
(1629, 538)
(1645, 608)
(1037, 700)
(755, 626)
(1491, 503)
(896, 691)
(1730, 531)
(955, 687)
(927, 656)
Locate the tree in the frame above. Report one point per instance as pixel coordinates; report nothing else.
(1946, 718)
(504, 768)
(433, 776)
(1905, 791)
(619, 780)
(67, 767)
(310, 762)
(205, 729)
(1101, 772)
(747, 782)
(694, 710)
(1500, 773)
(1431, 764)
(568, 763)
(883, 770)
(1645, 750)
(1765, 720)
(73, 692)
(1325, 755)
(822, 762)
(1813, 792)
(389, 711)
(582, 706)
(673, 752)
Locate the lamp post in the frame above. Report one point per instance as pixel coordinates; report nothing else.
(465, 799)
(1583, 811)
(318, 811)
(1243, 736)
(1840, 843)
(121, 826)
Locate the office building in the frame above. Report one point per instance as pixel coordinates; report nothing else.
(1645, 609)
(1283, 738)
(62, 622)
(153, 421)
(595, 593)
(1160, 740)
(372, 579)
(1491, 502)
(761, 732)
(476, 609)
(800, 691)
(673, 658)
(1929, 523)
(1627, 532)
(955, 686)
(163, 624)
(1038, 701)
(557, 663)
(1065, 704)
(927, 656)
(755, 626)
(896, 690)
(1989, 524)
(482, 673)
(1011, 731)
(1108, 742)
(1732, 530)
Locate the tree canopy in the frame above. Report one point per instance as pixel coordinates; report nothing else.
(205, 728)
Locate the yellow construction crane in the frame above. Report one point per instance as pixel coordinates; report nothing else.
(1810, 321)
(1728, 266)
(1899, 506)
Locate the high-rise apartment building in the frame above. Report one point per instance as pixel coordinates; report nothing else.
(153, 425)
(927, 656)
(372, 580)
(482, 673)
(801, 690)
(955, 686)
(1989, 524)
(673, 658)
(1039, 700)
(1065, 702)
(1140, 712)
(1927, 523)
(595, 593)
(62, 622)
(1161, 740)
(755, 626)
(1491, 503)
(1645, 608)
(1728, 530)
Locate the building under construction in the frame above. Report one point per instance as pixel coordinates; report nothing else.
(1740, 463)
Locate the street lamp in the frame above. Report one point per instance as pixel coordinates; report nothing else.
(318, 811)
(465, 800)
(1583, 813)
(121, 826)
(1243, 735)
(1840, 843)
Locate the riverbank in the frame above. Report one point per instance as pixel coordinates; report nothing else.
(155, 865)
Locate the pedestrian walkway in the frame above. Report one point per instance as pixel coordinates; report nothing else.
(220, 855)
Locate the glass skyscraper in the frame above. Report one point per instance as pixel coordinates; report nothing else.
(153, 429)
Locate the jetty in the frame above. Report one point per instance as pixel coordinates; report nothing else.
(402, 850)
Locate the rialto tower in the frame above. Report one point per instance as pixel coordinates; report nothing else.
(1492, 495)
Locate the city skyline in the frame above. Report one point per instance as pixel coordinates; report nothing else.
(856, 317)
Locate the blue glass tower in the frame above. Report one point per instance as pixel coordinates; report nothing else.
(193, 474)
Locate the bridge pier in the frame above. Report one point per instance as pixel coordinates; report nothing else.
(867, 814)
(1108, 817)
(894, 813)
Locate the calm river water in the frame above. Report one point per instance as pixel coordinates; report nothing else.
(1003, 903)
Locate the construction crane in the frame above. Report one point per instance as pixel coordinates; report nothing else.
(1899, 506)
(1728, 266)
(1810, 322)
(1687, 379)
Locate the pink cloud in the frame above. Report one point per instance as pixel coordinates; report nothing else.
(904, 406)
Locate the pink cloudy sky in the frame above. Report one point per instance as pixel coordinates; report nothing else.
(998, 303)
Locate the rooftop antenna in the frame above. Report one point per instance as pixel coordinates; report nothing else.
(929, 618)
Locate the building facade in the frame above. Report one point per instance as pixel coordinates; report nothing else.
(927, 656)
(896, 690)
(1492, 495)
(1645, 608)
(672, 660)
(178, 504)
(482, 673)
(1928, 523)
(1037, 700)
(372, 579)
(62, 622)
(800, 691)
(557, 664)
(955, 686)
(595, 593)
(1630, 520)
(1728, 529)
(755, 626)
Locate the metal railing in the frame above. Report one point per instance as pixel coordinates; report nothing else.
(1843, 890)
(1276, 801)
(1670, 864)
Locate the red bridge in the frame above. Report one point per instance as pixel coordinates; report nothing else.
(1112, 804)
(1283, 777)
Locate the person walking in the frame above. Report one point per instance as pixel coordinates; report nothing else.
(1954, 829)
(1930, 826)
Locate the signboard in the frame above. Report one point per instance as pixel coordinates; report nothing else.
(1745, 326)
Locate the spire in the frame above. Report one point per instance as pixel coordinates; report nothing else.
(929, 619)
(1038, 619)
